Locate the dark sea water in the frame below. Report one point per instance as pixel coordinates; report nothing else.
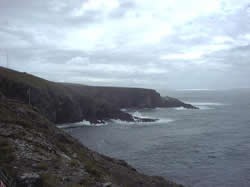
(209, 147)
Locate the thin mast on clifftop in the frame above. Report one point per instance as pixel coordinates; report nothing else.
(7, 59)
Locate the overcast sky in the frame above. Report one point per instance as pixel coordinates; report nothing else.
(172, 44)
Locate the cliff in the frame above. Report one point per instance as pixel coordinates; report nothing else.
(59, 102)
(34, 153)
(64, 103)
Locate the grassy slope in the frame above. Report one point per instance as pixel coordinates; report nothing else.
(33, 144)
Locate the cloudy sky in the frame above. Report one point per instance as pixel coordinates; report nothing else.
(171, 44)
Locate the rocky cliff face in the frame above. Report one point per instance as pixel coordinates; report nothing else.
(64, 103)
(126, 97)
(60, 103)
(34, 153)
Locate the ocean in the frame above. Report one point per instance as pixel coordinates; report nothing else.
(209, 147)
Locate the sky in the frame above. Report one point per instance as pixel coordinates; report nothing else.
(160, 44)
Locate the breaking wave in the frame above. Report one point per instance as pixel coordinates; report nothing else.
(207, 104)
(204, 105)
(139, 123)
(137, 114)
(81, 124)
(180, 108)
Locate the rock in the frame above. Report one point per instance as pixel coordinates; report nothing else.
(107, 184)
(29, 176)
(137, 119)
(29, 180)
(65, 156)
(173, 102)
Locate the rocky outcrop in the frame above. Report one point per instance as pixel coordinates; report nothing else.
(65, 103)
(37, 154)
(173, 102)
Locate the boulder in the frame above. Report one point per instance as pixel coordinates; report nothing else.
(29, 180)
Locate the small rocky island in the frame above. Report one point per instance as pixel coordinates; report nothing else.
(35, 153)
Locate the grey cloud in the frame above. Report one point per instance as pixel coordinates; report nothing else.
(123, 8)
(32, 13)
(33, 33)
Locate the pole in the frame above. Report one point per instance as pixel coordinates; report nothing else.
(7, 60)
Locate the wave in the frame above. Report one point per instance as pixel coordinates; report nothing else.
(140, 115)
(201, 107)
(81, 124)
(165, 120)
(116, 121)
(137, 114)
(139, 123)
(207, 104)
(180, 108)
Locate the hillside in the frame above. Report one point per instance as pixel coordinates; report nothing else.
(34, 153)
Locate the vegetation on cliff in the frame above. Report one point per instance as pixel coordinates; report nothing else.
(37, 154)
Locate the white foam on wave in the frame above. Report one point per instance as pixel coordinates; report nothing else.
(117, 121)
(165, 120)
(180, 108)
(207, 104)
(201, 107)
(139, 115)
(139, 123)
(204, 105)
(81, 124)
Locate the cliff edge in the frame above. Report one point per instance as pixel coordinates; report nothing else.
(66, 103)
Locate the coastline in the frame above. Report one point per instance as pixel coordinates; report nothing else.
(37, 153)
(68, 103)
